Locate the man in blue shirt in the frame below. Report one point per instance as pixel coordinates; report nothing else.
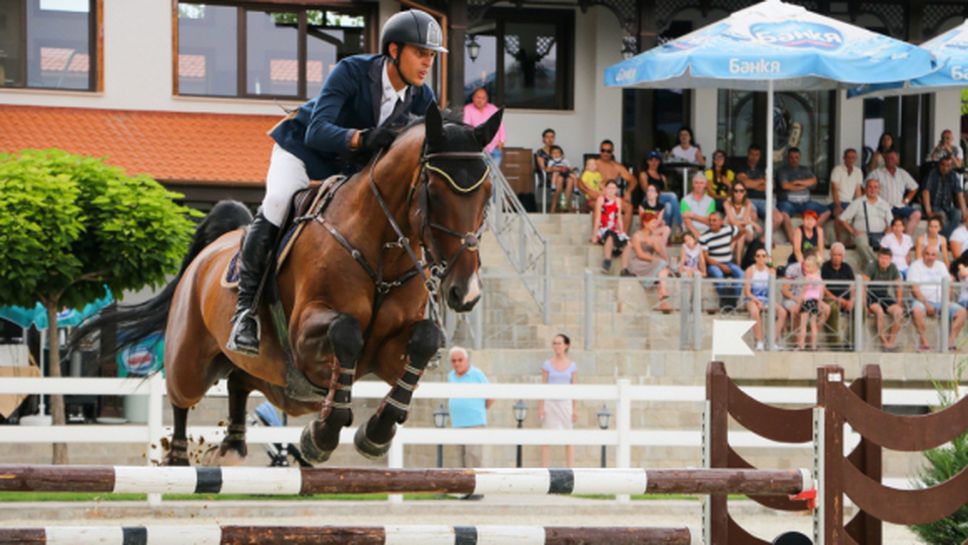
(337, 132)
(467, 413)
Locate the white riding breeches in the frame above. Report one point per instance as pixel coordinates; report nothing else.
(287, 175)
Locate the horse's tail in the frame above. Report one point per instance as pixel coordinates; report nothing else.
(137, 322)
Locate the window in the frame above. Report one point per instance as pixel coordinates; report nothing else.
(279, 52)
(48, 44)
(523, 58)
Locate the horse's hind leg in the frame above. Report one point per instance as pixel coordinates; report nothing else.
(373, 440)
(178, 448)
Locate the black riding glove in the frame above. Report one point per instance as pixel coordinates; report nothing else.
(373, 140)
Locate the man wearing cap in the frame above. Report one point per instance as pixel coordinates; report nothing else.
(337, 132)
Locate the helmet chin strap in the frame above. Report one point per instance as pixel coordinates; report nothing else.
(396, 63)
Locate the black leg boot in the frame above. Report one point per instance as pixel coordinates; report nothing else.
(256, 250)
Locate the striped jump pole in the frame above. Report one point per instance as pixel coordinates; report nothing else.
(332, 535)
(304, 481)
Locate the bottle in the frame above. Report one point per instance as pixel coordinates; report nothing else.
(561, 200)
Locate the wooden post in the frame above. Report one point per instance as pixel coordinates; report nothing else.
(830, 504)
(716, 450)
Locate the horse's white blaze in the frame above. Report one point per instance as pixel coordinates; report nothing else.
(473, 289)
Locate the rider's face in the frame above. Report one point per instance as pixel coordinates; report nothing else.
(415, 63)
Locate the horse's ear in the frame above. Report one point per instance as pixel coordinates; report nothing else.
(485, 132)
(434, 125)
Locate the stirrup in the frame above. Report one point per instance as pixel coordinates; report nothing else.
(236, 322)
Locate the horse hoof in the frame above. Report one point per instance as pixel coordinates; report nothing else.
(310, 451)
(368, 449)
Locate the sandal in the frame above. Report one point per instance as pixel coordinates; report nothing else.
(923, 348)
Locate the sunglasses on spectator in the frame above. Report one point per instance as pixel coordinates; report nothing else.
(739, 191)
(605, 150)
(760, 255)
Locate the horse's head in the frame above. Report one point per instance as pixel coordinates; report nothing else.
(452, 195)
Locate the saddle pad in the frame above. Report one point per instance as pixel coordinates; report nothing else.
(230, 279)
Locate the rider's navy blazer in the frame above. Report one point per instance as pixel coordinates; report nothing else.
(319, 132)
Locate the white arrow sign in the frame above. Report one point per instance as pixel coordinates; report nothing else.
(728, 338)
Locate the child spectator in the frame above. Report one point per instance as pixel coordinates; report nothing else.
(807, 236)
(608, 230)
(590, 182)
(558, 414)
(900, 244)
(813, 309)
(562, 179)
(691, 260)
(885, 298)
(756, 289)
(934, 239)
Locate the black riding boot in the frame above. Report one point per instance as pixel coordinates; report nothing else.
(255, 253)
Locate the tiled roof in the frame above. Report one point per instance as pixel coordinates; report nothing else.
(222, 149)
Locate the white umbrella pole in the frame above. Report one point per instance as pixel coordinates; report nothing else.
(768, 221)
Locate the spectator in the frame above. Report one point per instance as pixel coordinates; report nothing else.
(647, 257)
(720, 179)
(608, 230)
(697, 206)
(477, 112)
(838, 280)
(933, 238)
(947, 148)
(899, 189)
(791, 289)
(741, 213)
(651, 211)
(926, 276)
(883, 299)
(691, 259)
(846, 184)
(756, 288)
(796, 181)
(959, 270)
(467, 413)
(959, 239)
(543, 155)
(812, 308)
(866, 219)
(900, 245)
(687, 150)
(717, 248)
(562, 179)
(559, 414)
(754, 178)
(943, 194)
(613, 170)
(884, 144)
(807, 236)
(650, 174)
(590, 182)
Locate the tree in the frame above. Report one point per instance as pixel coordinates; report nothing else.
(70, 225)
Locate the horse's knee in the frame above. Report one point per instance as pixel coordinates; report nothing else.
(425, 339)
(346, 337)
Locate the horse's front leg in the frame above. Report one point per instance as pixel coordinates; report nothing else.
(326, 336)
(373, 440)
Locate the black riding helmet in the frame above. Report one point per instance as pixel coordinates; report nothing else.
(414, 27)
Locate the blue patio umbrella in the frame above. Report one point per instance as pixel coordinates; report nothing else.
(773, 46)
(68, 317)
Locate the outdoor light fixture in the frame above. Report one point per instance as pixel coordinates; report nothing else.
(628, 47)
(473, 48)
(520, 413)
(604, 415)
(440, 418)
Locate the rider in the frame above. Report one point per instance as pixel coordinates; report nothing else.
(347, 122)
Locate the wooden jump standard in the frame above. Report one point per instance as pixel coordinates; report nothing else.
(210, 534)
(304, 481)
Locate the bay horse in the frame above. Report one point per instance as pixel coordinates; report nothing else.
(354, 289)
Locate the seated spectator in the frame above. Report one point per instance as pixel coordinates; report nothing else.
(608, 230)
(838, 280)
(645, 258)
(562, 179)
(543, 155)
(741, 213)
(959, 270)
(943, 194)
(898, 188)
(791, 289)
(691, 259)
(959, 239)
(613, 170)
(813, 310)
(933, 238)
(807, 236)
(926, 276)
(720, 179)
(795, 182)
(884, 144)
(846, 184)
(754, 178)
(717, 248)
(558, 414)
(590, 182)
(687, 150)
(900, 245)
(650, 173)
(697, 206)
(947, 148)
(883, 299)
(651, 211)
(866, 219)
(756, 289)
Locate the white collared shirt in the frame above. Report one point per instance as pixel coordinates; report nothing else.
(390, 95)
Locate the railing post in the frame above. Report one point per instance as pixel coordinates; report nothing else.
(860, 309)
(684, 288)
(945, 328)
(154, 454)
(623, 425)
(589, 309)
(771, 313)
(546, 280)
(477, 321)
(696, 312)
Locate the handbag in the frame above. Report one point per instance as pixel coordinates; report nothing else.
(873, 239)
